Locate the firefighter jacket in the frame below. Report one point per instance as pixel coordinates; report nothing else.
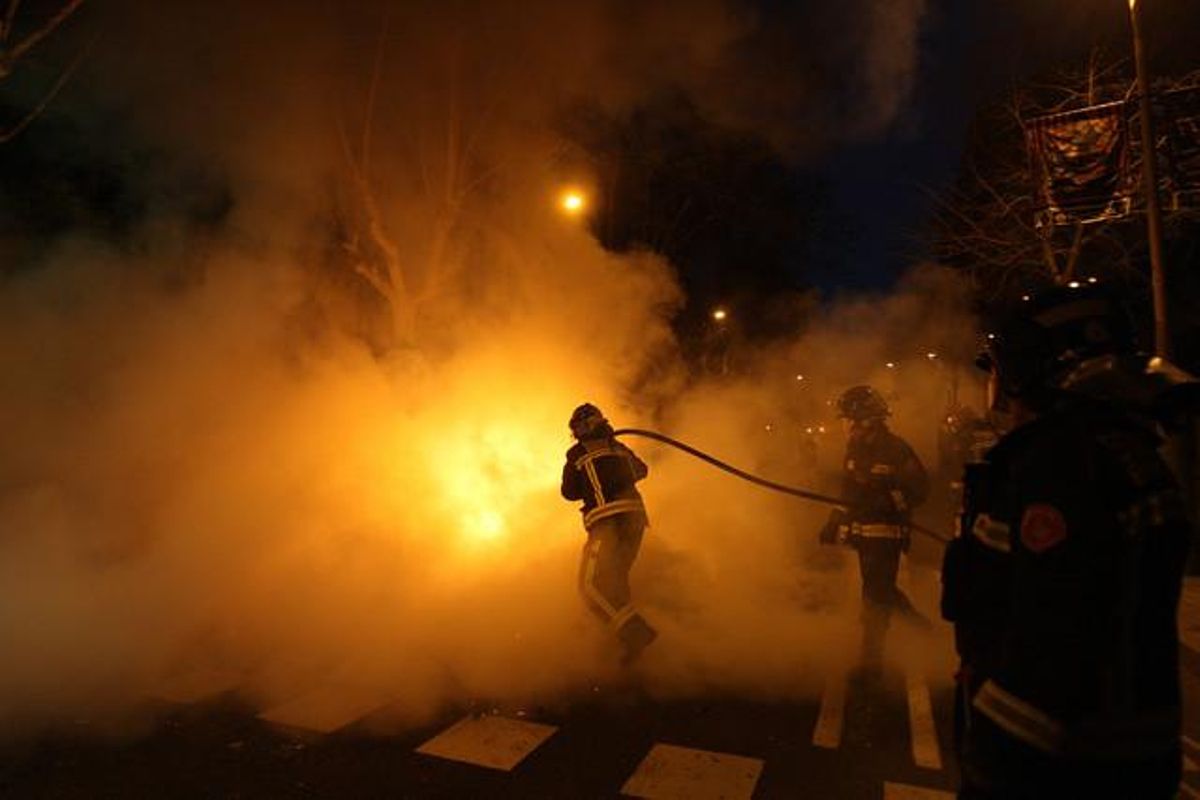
(603, 473)
(882, 481)
(1063, 585)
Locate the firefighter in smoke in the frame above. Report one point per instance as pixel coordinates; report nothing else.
(603, 473)
(1064, 580)
(883, 480)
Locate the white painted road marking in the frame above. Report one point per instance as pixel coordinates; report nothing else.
(326, 709)
(925, 750)
(828, 731)
(903, 791)
(669, 772)
(488, 741)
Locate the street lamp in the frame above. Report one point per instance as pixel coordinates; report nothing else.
(573, 202)
(719, 315)
(1162, 341)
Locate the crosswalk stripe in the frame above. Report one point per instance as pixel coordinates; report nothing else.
(489, 741)
(325, 709)
(828, 730)
(196, 685)
(669, 772)
(904, 791)
(925, 750)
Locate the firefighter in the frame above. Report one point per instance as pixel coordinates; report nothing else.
(603, 473)
(882, 480)
(1065, 577)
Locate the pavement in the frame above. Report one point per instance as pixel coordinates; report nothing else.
(868, 735)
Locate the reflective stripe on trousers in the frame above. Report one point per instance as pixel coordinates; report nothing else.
(1121, 736)
(612, 545)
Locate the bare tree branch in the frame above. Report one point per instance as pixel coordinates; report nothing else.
(6, 25)
(11, 57)
(9, 134)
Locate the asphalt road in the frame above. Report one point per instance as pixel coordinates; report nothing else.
(867, 736)
(860, 740)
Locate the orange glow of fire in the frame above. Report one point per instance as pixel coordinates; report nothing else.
(488, 474)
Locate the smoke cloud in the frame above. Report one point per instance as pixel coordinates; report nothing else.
(316, 440)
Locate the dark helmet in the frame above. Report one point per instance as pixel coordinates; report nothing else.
(587, 421)
(862, 402)
(1034, 347)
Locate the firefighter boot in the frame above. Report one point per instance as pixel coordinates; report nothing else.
(635, 635)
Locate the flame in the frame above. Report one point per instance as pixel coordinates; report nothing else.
(487, 474)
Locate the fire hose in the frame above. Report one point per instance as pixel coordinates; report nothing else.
(828, 500)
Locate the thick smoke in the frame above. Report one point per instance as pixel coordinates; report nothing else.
(228, 451)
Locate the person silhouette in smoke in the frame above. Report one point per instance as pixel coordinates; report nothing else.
(883, 480)
(603, 473)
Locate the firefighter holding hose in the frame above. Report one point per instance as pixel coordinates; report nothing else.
(603, 473)
(882, 481)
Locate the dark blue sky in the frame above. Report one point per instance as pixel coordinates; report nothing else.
(973, 51)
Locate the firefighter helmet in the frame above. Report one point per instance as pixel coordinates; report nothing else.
(1034, 348)
(862, 402)
(587, 420)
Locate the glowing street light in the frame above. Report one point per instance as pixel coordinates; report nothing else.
(720, 314)
(573, 202)
(890, 365)
(799, 377)
(931, 355)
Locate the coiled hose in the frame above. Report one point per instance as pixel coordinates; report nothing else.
(763, 482)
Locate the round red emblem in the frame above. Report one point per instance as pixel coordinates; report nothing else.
(1042, 527)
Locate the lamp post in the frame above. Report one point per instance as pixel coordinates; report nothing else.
(1162, 339)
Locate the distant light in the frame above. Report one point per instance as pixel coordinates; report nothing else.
(768, 426)
(991, 336)
(821, 429)
(1092, 280)
(931, 355)
(1025, 297)
(719, 314)
(573, 202)
(799, 377)
(1074, 284)
(808, 430)
(890, 365)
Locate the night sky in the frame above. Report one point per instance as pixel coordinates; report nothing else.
(859, 203)
(973, 52)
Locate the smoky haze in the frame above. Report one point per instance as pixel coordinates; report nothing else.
(317, 441)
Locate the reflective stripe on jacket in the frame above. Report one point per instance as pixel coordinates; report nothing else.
(603, 473)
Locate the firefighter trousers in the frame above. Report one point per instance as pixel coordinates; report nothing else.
(608, 556)
(879, 563)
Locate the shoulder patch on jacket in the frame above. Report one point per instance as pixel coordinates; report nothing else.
(1042, 527)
